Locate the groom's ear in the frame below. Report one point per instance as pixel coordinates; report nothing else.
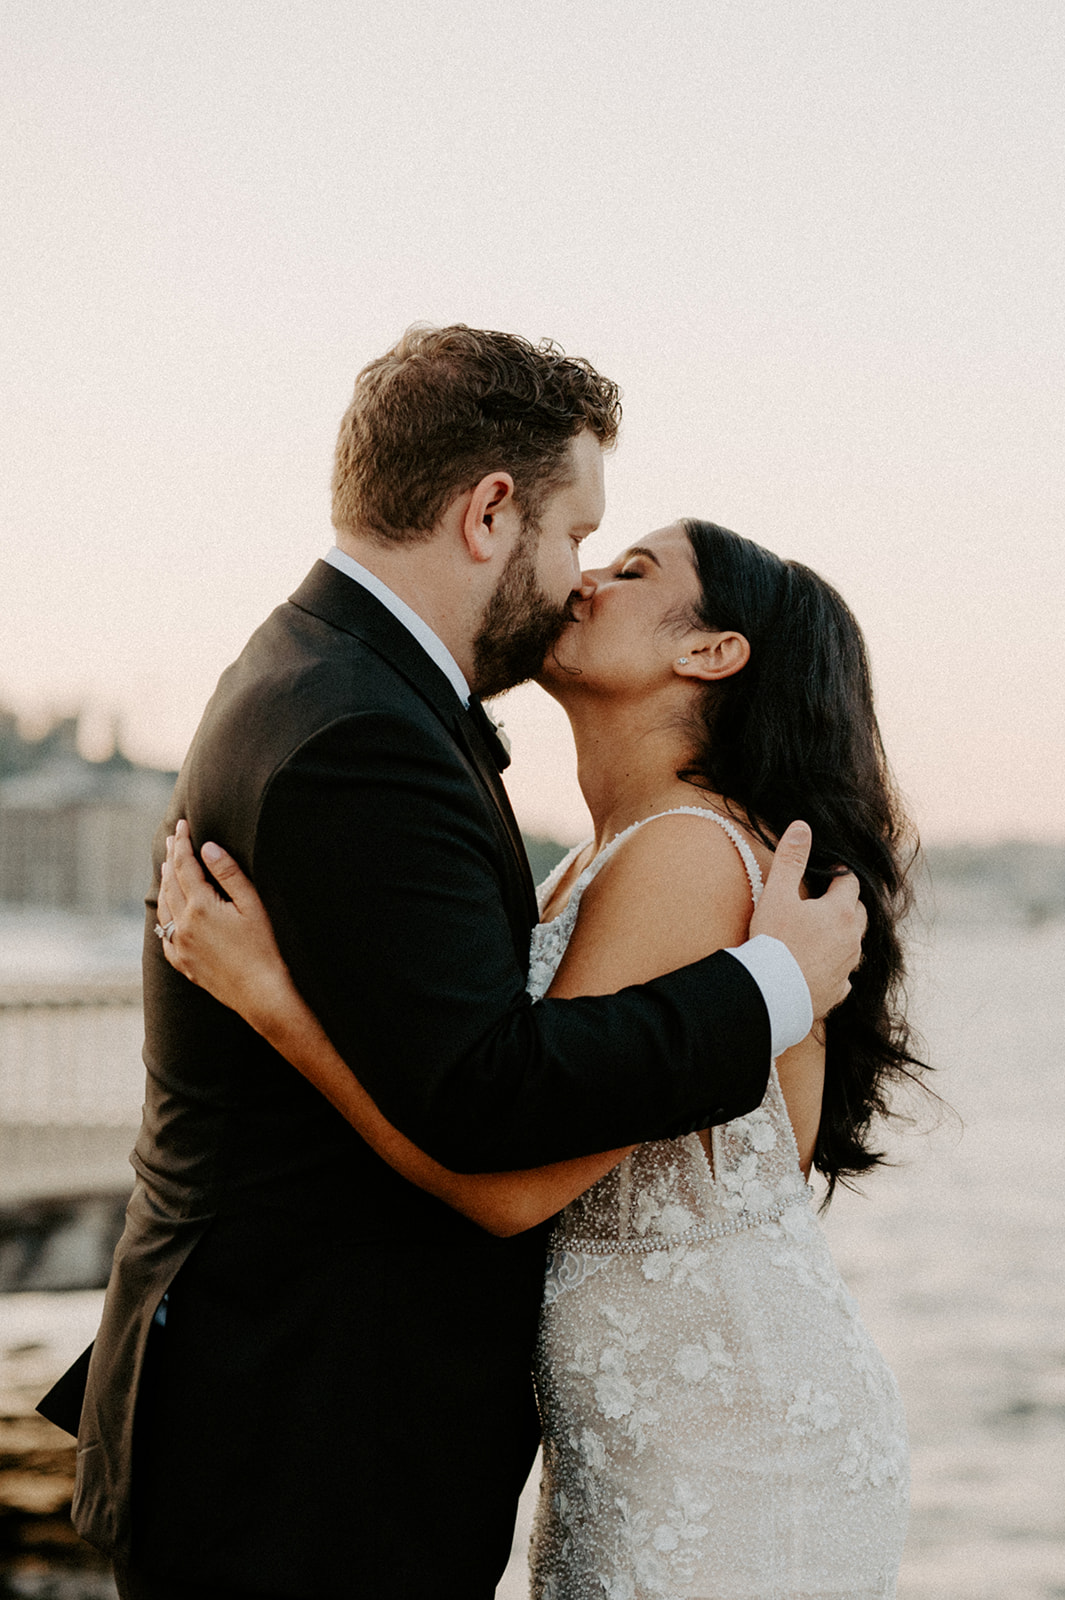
(490, 516)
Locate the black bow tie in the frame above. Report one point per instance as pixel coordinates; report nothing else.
(489, 732)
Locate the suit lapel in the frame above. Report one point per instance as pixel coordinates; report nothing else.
(345, 604)
(340, 601)
(482, 759)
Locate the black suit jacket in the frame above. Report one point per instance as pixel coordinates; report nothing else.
(340, 1401)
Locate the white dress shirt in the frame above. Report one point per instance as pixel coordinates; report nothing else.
(769, 962)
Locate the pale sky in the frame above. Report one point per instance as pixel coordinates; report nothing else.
(819, 246)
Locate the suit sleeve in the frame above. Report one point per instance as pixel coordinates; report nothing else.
(376, 861)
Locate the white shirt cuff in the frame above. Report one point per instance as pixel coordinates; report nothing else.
(779, 977)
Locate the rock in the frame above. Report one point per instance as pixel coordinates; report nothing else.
(40, 1335)
(35, 1493)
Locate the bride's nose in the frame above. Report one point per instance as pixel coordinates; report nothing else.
(588, 586)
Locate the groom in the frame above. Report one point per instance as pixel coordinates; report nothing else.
(312, 1379)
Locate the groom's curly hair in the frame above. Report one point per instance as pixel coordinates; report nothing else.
(445, 407)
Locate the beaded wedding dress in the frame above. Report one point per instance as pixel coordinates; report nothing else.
(718, 1424)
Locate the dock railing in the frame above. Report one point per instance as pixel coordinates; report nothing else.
(71, 1085)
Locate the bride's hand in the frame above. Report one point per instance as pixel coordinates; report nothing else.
(224, 946)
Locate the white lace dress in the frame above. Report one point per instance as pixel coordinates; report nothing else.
(718, 1424)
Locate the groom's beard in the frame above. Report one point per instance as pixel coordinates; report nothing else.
(519, 625)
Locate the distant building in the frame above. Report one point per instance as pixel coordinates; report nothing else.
(76, 834)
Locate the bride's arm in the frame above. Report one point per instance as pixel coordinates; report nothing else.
(674, 893)
(228, 948)
(682, 882)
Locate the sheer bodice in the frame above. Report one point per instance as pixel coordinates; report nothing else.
(718, 1424)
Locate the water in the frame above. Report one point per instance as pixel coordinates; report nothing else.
(957, 1257)
(958, 1260)
(39, 944)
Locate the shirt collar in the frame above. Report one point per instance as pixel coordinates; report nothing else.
(431, 643)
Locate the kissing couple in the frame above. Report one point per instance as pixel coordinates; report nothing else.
(575, 1199)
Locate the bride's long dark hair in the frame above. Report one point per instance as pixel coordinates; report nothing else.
(794, 734)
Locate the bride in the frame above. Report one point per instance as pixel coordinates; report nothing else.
(718, 1424)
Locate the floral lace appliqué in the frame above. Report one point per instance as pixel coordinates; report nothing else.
(701, 1369)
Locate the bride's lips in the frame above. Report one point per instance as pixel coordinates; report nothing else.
(580, 608)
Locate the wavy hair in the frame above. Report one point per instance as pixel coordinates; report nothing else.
(794, 734)
(444, 407)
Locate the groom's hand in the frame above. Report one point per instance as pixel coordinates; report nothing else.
(825, 935)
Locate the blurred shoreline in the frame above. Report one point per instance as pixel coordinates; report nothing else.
(1015, 884)
(954, 1251)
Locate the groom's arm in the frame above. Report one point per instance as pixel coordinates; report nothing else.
(379, 868)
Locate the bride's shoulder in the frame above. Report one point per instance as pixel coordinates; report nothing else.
(668, 892)
(677, 857)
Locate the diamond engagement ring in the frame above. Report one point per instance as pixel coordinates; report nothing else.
(166, 933)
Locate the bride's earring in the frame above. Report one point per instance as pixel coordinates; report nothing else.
(682, 661)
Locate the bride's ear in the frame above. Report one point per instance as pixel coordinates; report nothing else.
(713, 656)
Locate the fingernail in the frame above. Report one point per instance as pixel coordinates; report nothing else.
(212, 852)
(182, 828)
